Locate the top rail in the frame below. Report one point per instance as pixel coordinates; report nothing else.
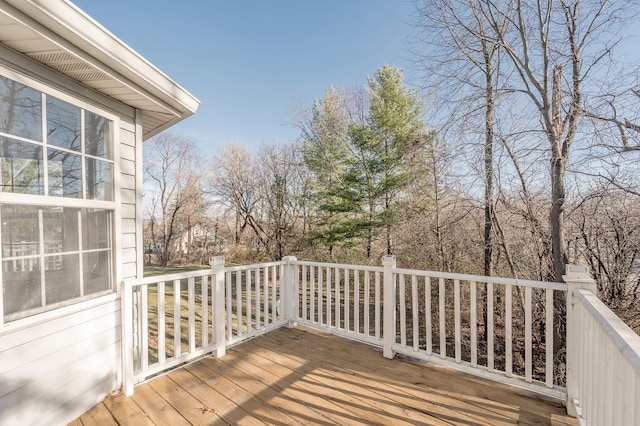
(341, 266)
(625, 340)
(253, 266)
(135, 282)
(482, 278)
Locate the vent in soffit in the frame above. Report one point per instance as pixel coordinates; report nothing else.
(69, 65)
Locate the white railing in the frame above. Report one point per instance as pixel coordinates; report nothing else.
(603, 382)
(171, 319)
(420, 314)
(499, 328)
(253, 297)
(343, 299)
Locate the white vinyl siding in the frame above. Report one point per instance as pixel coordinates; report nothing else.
(56, 365)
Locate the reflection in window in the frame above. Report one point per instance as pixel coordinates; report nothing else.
(97, 271)
(99, 180)
(65, 174)
(76, 261)
(20, 231)
(96, 228)
(20, 110)
(60, 229)
(97, 136)
(63, 124)
(20, 167)
(63, 282)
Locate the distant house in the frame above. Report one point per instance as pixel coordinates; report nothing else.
(76, 104)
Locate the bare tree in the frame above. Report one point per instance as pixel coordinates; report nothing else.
(235, 183)
(172, 185)
(556, 50)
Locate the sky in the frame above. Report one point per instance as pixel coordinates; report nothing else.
(250, 62)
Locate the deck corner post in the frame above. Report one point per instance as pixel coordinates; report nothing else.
(290, 291)
(218, 316)
(127, 339)
(389, 306)
(576, 277)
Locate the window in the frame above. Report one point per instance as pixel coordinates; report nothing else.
(56, 205)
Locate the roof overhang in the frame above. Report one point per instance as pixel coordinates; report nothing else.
(58, 34)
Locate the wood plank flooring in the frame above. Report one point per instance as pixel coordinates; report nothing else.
(304, 377)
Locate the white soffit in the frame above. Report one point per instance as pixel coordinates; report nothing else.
(59, 35)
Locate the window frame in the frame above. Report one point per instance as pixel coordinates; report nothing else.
(54, 310)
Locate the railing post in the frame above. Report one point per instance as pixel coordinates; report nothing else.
(127, 339)
(290, 293)
(577, 276)
(217, 292)
(388, 306)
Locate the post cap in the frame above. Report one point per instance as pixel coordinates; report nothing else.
(389, 259)
(216, 260)
(577, 272)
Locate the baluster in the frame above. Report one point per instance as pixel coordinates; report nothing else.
(320, 296)
(177, 296)
(457, 320)
(428, 315)
(248, 299)
(304, 292)
(366, 301)
(258, 297)
(204, 295)
(443, 336)
(415, 312)
(347, 301)
(229, 306)
(528, 358)
(162, 333)
(274, 299)
(508, 339)
(144, 319)
(490, 348)
(356, 301)
(265, 308)
(548, 337)
(337, 284)
(377, 305)
(191, 306)
(329, 297)
(403, 312)
(474, 323)
(312, 301)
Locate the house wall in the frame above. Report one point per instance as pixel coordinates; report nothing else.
(56, 365)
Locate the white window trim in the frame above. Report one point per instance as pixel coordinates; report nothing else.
(77, 304)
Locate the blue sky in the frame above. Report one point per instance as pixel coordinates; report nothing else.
(248, 61)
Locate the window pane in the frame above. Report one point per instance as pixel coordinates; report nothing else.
(63, 124)
(97, 135)
(97, 271)
(62, 277)
(60, 229)
(21, 284)
(65, 174)
(20, 110)
(21, 167)
(99, 180)
(96, 229)
(20, 231)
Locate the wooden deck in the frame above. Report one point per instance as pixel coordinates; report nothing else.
(297, 376)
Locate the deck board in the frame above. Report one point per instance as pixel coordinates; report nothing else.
(299, 376)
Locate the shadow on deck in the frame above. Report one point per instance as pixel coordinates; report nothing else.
(300, 376)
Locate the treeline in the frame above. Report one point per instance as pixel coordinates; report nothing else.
(529, 160)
